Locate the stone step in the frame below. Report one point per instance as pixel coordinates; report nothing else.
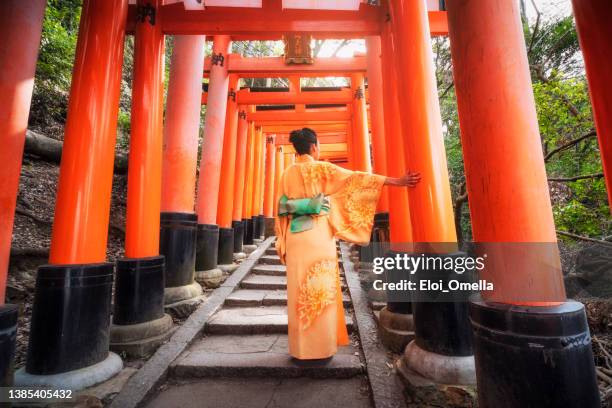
(270, 282)
(270, 260)
(275, 270)
(271, 251)
(253, 320)
(253, 297)
(265, 282)
(264, 392)
(261, 355)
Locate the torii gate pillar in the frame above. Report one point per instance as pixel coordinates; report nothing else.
(270, 177)
(249, 177)
(396, 326)
(442, 349)
(240, 177)
(210, 167)
(360, 134)
(178, 230)
(512, 222)
(594, 32)
(139, 322)
(65, 346)
(20, 28)
(226, 186)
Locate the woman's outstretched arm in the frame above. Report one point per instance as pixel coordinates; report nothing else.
(410, 179)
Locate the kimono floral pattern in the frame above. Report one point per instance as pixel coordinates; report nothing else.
(360, 197)
(317, 291)
(317, 172)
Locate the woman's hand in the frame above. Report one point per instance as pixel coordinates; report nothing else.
(410, 179)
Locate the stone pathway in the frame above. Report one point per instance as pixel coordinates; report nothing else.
(241, 359)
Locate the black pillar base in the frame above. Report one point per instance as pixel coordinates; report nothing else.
(70, 318)
(533, 356)
(379, 239)
(139, 291)
(207, 245)
(397, 304)
(258, 226)
(269, 227)
(255, 222)
(248, 231)
(177, 243)
(262, 226)
(238, 227)
(443, 327)
(226, 246)
(366, 253)
(380, 235)
(8, 335)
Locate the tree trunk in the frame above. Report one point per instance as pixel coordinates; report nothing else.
(51, 150)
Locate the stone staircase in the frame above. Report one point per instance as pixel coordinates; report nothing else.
(246, 339)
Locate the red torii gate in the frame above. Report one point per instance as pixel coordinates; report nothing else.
(494, 96)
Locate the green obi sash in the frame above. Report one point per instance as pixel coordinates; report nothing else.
(302, 210)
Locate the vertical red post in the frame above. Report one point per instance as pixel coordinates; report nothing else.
(270, 174)
(140, 281)
(214, 128)
(377, 114)
(182, 124)
(258, 169)
(80, 229)
(512, 220)
(249, 178)
(178, 232)
(396, 318)
(145, 159)
(240, 179)
(210, 162)
(20, 28)
(400, 226)
(228, 162)
(442, 349)
(226, 186)
(594, 33)
(515, 204)
(279, 167)
(361, 139)
(430, 201)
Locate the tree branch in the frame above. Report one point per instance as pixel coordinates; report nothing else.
(339, 47)
(32, 216)
(33, 252)
(576, 178)
(448, 88)
(580, 237)
(569, 144)
(536, 27)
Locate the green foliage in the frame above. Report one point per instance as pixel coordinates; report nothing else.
(564, 116)
(54, 66)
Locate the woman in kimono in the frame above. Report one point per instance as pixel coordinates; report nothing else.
(318, 203)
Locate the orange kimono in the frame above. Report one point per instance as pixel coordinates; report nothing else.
(314, 298)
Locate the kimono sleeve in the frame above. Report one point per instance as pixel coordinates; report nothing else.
(354, 196)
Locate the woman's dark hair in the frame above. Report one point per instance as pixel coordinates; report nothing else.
(302, 139)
